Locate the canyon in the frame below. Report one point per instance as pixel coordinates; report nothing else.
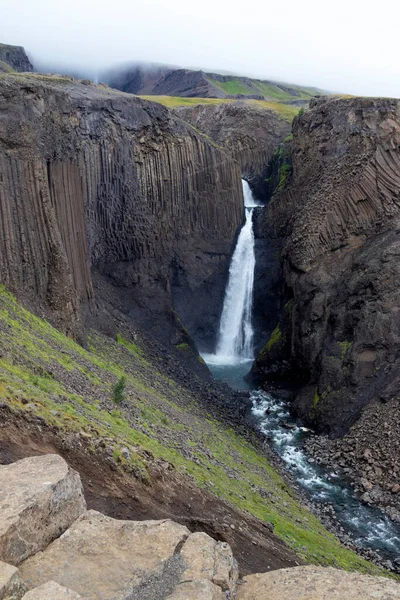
(119, 219)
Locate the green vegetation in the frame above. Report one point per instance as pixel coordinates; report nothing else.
(5, 67)
(286, 111)
(316, 398)
(276, 335)
(344, 346)
(118, 395)
(48, 375)
(269, 89)
(182, 347)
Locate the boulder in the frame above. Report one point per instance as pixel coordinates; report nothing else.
(51, 591)
(101, 557)
(317, 583)
(11, 585)
(40, 497)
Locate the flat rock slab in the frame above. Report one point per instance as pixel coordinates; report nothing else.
(40, 497)
(11, 585)
(101, 557)
(317, 583)
(51, 591)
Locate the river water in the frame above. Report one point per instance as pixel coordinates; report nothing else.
(368, 527)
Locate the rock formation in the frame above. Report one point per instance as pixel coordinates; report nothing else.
(101, 557)
(250, 133)
(316, 583)
(14, 58)
(100, 183)
(40, 498)
(338, 221)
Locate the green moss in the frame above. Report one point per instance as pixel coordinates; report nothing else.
(183, 347)
(344, 347)
(316, 398)
(274, 339)
(5, 67)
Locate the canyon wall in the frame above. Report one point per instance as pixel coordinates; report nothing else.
(249, 132)
(108, 198)
(338, 222)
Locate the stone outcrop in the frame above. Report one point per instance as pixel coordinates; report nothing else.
(14, 58)
(51, 591)
(99, 182)
(40, 497)
(316, 583)
(338, 219)
(250, 133)
(100, 557)
(11, 585)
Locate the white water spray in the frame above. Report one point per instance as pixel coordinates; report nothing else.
(235, 338)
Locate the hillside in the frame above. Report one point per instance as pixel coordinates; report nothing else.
(164, 81)
(158, 449)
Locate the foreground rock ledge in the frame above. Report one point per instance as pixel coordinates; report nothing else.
(40, 497)
(317, 583)
(51, 591)
(11, 585)
(101, 557)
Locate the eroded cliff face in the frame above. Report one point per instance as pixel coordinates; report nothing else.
(104, 196)
(249, 132)
(14, 58)
(339, 221)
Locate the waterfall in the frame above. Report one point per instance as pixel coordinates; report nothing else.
(235, 337)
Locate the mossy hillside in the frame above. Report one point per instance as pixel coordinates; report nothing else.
(45, 373)
(269, 89)
(286, 111)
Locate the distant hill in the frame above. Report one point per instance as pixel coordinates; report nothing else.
(14, 58)
(167, 81)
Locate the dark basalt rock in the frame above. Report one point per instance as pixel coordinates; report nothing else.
(250, 133)
(338, 219)
(14, 58)
(104, 197)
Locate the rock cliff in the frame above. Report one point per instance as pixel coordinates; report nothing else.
(104, 195)
(14, 58)
(250, 133)
(338, 219)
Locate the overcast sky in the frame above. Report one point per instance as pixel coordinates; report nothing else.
(348, 46)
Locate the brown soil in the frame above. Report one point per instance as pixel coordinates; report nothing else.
(170, 495)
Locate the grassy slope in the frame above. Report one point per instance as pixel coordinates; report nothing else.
(270, 90)
(286, 111)
(43, 371)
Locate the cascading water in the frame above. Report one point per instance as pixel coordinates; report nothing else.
(235, 337)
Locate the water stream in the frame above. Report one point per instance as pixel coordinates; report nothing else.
(368, 526)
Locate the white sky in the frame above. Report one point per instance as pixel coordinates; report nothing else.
(346, 45)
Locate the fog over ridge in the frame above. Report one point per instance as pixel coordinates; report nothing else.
(348, 46)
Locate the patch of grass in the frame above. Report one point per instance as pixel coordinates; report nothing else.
(344, 347)
(118, 394)
(131, 346)
(274, 339)
(183, 347)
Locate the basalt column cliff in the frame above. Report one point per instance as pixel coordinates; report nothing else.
(106, 196)
(338, 219)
